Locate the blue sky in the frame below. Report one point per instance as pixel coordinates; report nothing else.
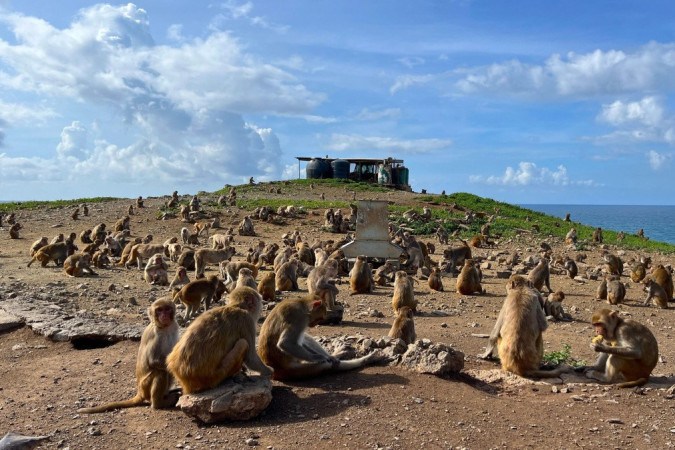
(525, 102)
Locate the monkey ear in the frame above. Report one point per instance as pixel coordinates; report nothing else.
(614, 314)
(316, 304)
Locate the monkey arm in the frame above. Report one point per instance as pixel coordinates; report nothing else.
(490, 350)
(290, 343)
(622, 351)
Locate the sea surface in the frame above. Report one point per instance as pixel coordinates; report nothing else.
(657, 221)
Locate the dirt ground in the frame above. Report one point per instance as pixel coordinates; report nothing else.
(43, 382)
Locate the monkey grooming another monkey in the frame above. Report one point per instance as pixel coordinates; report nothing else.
(219, 343)
(285, 346)
(628, 352)
(404, 326)
(517, 336)
(152, 379)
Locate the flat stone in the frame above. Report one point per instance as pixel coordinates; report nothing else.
(9, 322)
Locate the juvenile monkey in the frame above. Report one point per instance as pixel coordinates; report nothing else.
(189, 238)
(435, 281)
(468, 280)
(156, 270)
(287, 276)
(361, 277)
(540, 276)
(628, 353)
(384, 274)
(175, 250)
(202, 227)
(616, 291)
(180, 279)
(655, 293)
(205, 256)
(54, 252)
(75, 214)
(517, 336)
(442, 236)
(285, 346)
(85, 237)
(601, 291)
(203, 289)
(404, 326)
(130, 210)
(37, 245)
(553, 307)
(571, 267)
(14, 231)
(152, 379)
(404, 294)
(457, 255)
(266, 287)
(219, 343)
(101, 259)
(78, 264)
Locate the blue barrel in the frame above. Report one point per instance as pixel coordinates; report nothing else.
(319, 168)
(340, 168)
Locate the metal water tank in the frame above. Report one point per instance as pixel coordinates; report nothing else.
(340, 168)
(403, 174)
(319, 168)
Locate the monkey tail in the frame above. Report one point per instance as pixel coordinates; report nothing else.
(135, 401)
(634, 383)
(548, 373)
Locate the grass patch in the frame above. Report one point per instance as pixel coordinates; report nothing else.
(54, 204)
(563, 356)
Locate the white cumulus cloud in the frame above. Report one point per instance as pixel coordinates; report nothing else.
(657, 160)
(527, 174)
(647, 111)
(345, 142)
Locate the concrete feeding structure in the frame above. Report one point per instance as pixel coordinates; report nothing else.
(372, 233)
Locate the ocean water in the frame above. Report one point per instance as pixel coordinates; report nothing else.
(657, 221)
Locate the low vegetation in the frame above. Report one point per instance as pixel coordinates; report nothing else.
(54, 204)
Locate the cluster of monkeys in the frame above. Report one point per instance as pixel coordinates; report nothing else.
(222, 340)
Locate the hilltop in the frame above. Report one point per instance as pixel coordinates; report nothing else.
(380, 407)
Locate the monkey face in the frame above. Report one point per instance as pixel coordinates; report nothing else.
(164, 315)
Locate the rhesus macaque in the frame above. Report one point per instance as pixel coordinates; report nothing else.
(620, 236)
(285, 346)
(215, 223)
(320, 256)
(601, 291)
(638, 272)
(54, 252)
(567, 217)
(517, 336)
(553, 307)
(194, 203)
(185, 213)
(189, 238)
(147, 239)
(101, 259)
(156, 270)
(266, 287)
(540, 276)
(361, 277)
(174, 200)
(229, 270)
(571, 236)
(139, 202)
(37, 245)
(640, 233)
(404, 326)
(286, 276)
(381, 275)
(187, 258)
(457, 255)
(122, 224)
(628, 350)
(175, 250)
(246, 278)
(152, 379)
(664, 278)
(76, 213)
(320, 274)
(14, 231)
(130, 210)
(219, 343)
(655, 293)
(58, 238)
(99, 232)
(614, 265)
(85, 210)
(78, 265)
(11, 219)
(202, 227)
(468, 280)
(403, 293)
(205, 256)
(85, 237)
(246, 227)
(571, 267)
(180, 279)
(435, 281)
(616, 291)
(220, 240)
(126, 251)
(204, 289)
(597, 235)
(140, 251)
(442, 235)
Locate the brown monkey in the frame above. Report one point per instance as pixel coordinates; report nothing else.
(205, 256)
(139, 202)
(287, 276)
(203, 289)
(540, 275)
(553, 307)
(435, 281)
(361, 277)
(655, 293)
(229, 270)
(664, 278)
(246, 227)
(99, 232)
(174, 200)
(517, 335)
(597, 235)
(78, 264)
(180, 279)
(189, 238)
(85, 210)
(468, 280)
(37, 245)
(101, 259)
(147, 239)
(187, 258)
(126, 251)
(140, 251)
(122, 224)
(404, 326)
(628, 353)
(85, 237)
(404, 294)
(75, 214)
(601, 291)
(54, 252)
(266, 287)
(156, 270)
(638, 272)
(152, 379)
(202, 227)
(616, 291)
(285, 346)
(326, 271)
(218, 343)
(571, 267)
(246, 278)
(174, 250)
(220, 240)
(457, 255)
(14, 231)
(614, 265)
(571, 236)
(442, 235)
(130, 210)
(381, 275)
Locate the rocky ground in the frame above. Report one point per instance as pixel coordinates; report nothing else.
(44, 382)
